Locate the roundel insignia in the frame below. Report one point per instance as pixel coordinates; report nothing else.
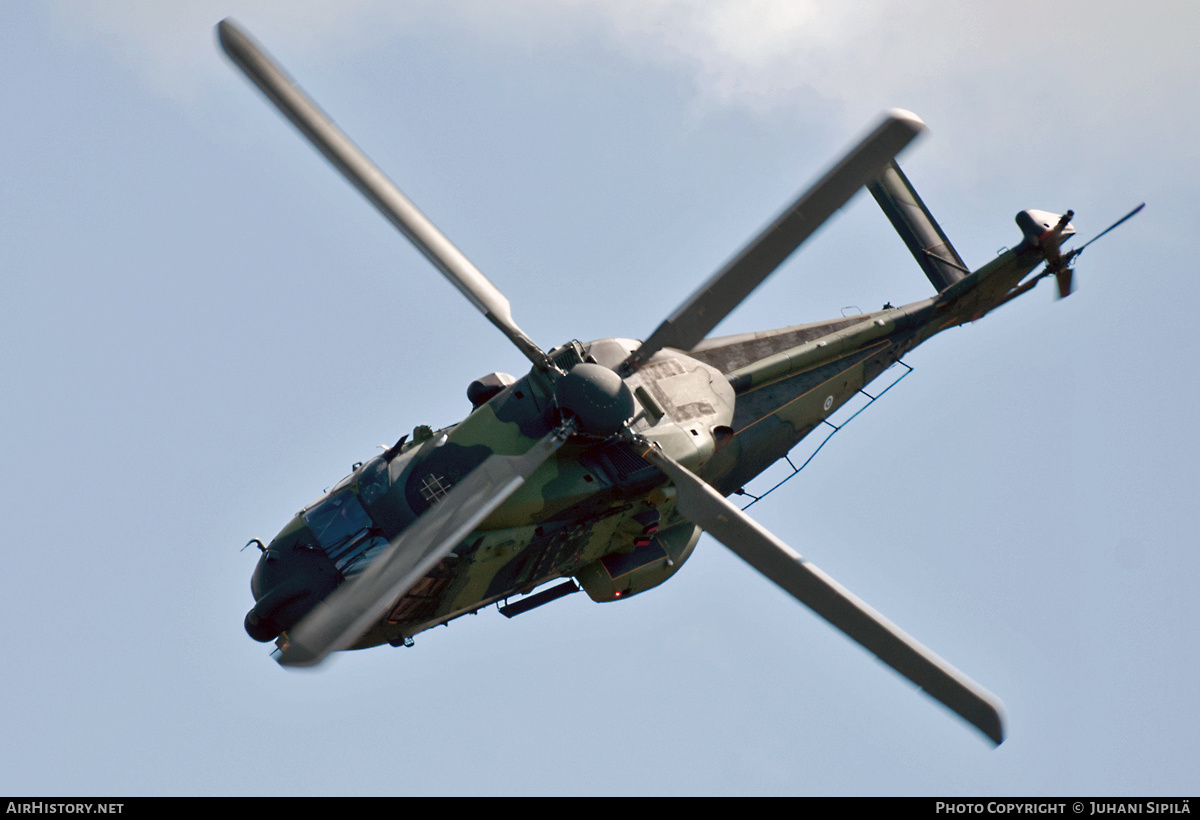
(828, 402)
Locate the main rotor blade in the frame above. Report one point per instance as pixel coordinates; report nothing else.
(704, 506)
(351, 609)
(374, 185)
(717, 297)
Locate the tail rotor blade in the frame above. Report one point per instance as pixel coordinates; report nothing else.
(1065, 277)
(717, 297)
(351, 609)
(374, 185)
(1127, 216)
(704, 506)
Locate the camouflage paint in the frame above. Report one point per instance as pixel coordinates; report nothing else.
(583, 513)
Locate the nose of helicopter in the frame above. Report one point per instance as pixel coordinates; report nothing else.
(291, 577)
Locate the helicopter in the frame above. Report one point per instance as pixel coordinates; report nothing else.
(602, 466)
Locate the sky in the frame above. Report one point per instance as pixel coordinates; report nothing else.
(204, 326)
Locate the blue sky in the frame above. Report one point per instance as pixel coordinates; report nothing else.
(204, 327)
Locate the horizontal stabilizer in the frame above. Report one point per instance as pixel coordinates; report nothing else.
(917, 227)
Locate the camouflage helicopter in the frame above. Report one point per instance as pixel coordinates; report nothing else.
(605, 462)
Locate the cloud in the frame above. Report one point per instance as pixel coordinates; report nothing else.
(170, 46)
(995, 65)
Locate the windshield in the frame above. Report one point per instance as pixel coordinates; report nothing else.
(342, 529)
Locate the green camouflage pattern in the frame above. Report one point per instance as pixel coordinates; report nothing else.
(596, 511)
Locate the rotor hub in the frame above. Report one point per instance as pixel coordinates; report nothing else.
(597, 397)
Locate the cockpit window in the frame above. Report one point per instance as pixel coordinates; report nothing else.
(342, 528)
(373, 480)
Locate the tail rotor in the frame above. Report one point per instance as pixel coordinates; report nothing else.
(1047, 232)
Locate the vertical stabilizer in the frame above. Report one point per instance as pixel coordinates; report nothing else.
(918, 228)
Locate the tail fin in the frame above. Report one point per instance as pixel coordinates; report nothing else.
(918, 228)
